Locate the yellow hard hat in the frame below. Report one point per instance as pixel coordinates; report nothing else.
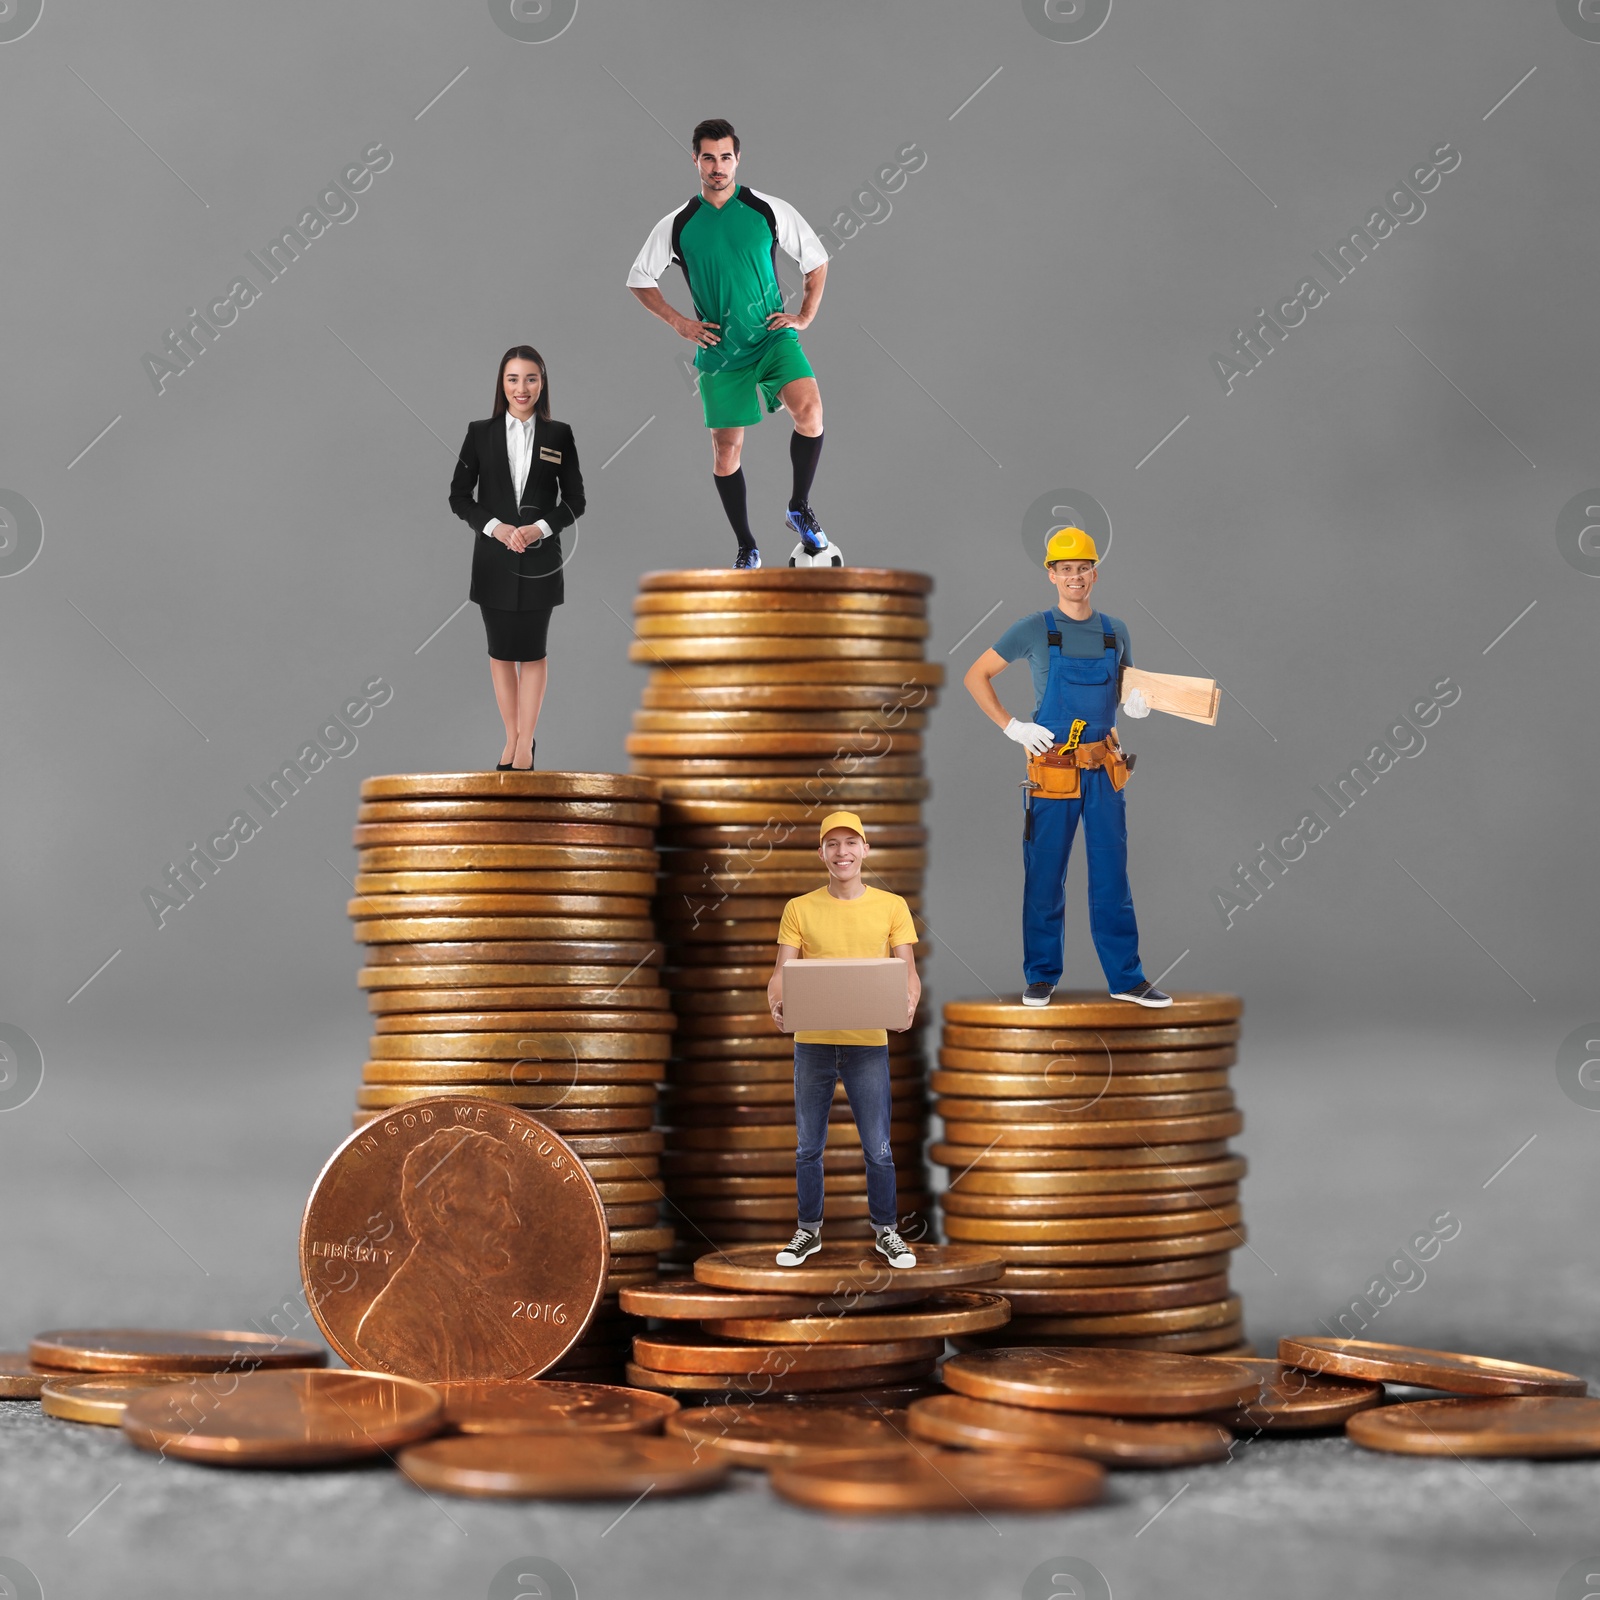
(1070, 544)
(840, 819)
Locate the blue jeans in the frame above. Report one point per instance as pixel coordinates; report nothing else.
(864, 1070)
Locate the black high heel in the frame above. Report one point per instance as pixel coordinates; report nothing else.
(533, 746)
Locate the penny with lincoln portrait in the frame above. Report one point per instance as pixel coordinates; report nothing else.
(454, 1239)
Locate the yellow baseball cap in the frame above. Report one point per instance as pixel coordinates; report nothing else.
(840, 819)
(1070, 544)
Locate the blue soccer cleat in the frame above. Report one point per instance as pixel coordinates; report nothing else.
(804, 523)
(747, 560)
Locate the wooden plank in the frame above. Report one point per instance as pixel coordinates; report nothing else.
(1194, 698)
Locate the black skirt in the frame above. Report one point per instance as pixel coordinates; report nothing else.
(516, 635)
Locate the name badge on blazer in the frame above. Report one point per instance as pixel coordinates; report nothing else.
(547, 454)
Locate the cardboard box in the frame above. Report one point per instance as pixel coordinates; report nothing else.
(846, 993)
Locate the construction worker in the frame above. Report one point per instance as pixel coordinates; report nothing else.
(1076, 768)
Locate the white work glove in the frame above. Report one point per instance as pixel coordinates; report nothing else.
(1136, 705)
(1030, 735)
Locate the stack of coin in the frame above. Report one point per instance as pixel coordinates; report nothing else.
(1087, 1141)
(511, 957)
(843, 1324)
(772, 701)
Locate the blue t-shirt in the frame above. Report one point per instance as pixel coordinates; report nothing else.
(1081, 639)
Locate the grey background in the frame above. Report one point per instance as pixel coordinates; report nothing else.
(236, 557)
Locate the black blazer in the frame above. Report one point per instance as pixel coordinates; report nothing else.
(481, 489)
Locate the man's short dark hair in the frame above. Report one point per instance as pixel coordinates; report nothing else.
(715, 128)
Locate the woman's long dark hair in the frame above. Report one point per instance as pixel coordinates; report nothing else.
(522, 352)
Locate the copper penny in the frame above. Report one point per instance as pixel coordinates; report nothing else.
(789, 580)
(1088, 1008)
(629, 956)
(563, 833)
(1071, 1067)
(530, 1071)
(549, 1047)
(1103, 1299)
(1123, 1251)
(761, 1435)
(389, 907)
(456, 1239)
(666, 601)
(1427, 1369)
(508, 1020)
(102, 1399)
(676, 1352)
(425, 988)
(1121, 1275)
(505, 858)
(507, 786)
(635, 813)
(1071, 1230)
(785, 623)
(430, 930)
(935, 1480)
(515, 1405)
(774, 1381)
(282, 1419)
(1072, 1094)
(780, 1136)
(20, 1379)
(1058, 1043)
(635, 884)
(1198, 1341)
(954, 1419)
(576, 1466)
(1167, 1319)
(1048, 1135)
(688, 813)
(824, 788)
(1292, 1401)
(777, 834)
(840, 1269)
(940, 1315)
(1109, 1382)
(960, 1204)
(1085, 1159)
(1075, 1110)
(1529, 1427)
(740, 648)
(564, 997)
(686, 1299)
(169, 1350)
(1101, 1180)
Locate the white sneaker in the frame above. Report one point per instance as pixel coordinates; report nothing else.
(894, 1249)
(805, 1243)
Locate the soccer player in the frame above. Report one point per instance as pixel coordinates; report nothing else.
(748, 347)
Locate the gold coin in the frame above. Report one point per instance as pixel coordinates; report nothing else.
(981, 1158)
(468, 977)
(954, 1419)
(435, 930)
(524, 1071)
(742, 649)
(101, 1400)
(951, 1312)
(622, 813)
(1065, 1041)
(1068, 1091)
(1042, 1135)
(961, 1204)
(1106, 1299)
(1527, 1427)
(556, 997)
(1091, 1063)
(381, 907)
(530, 1046)
(507, 786)
(841, 1269)
(504, 857)
(929, 1480)
(666, 602)
(1427, 1369)
(1106, 1382)
(1075, 1112)
(1070, 1230)
(785, 624)
(1088, 1008)
(563, 882)
(1122, 1251)
(1102, 1180)
(509, 1021)
(786, 580)
(538, 1466)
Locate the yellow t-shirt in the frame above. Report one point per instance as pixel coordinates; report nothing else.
(821, 926)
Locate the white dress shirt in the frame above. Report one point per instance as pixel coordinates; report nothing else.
(519, 448)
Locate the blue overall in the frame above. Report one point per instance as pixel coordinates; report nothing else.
(1086, 688)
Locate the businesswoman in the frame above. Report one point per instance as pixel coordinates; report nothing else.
(517, 485)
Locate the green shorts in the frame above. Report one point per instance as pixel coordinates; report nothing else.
(730, 397)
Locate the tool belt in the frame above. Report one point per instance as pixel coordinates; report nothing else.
(1054, 775)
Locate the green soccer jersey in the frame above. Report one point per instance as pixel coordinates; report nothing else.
(729, 257)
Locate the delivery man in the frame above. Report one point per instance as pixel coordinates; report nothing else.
(1076, 768)
(844, 919)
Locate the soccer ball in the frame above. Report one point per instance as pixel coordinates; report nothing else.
(801, 557)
